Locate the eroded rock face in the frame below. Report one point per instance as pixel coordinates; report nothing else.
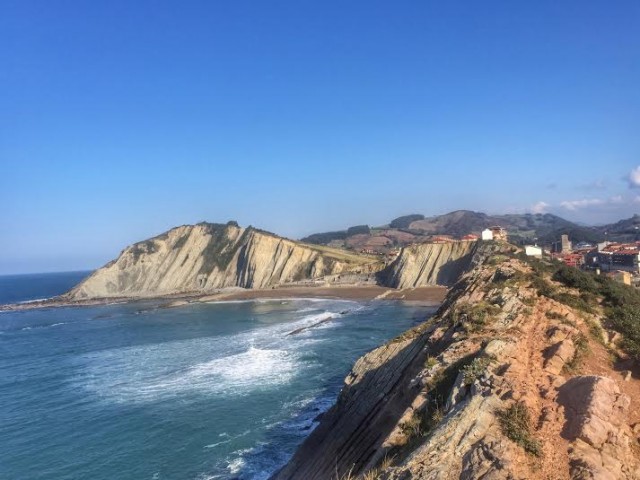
(208, 256)
(351, 432)
(430, 264)
(596, 423)
(439, 400)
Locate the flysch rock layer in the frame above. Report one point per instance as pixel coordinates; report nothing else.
(205, 257)
(430, 264)
(431, 403)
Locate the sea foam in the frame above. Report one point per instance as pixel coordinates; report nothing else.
(237, 364)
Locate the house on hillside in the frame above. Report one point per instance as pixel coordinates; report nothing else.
(620, 256)
(499, 233)
(494, 233)
(533, 251)
(442, 239)
(569, 259)
(620, 276)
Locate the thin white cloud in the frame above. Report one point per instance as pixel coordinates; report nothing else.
(574, 205)
(540, 207)
(584, 203)
(634, 178)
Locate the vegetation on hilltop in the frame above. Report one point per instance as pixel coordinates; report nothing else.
(406, 220)
(620, 302)
(544, 228)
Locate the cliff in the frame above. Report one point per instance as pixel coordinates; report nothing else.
(207, 256)
(429, 264)
(513, 378)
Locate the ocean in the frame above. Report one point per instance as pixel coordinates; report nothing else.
(202, 391)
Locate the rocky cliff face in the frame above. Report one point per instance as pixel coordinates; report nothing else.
(208, 256)
(503, 383)
(429, 264)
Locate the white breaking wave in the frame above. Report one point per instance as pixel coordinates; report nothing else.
(265, 357)
(33, 301)
(248, 370)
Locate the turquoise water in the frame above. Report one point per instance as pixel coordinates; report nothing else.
(203, 391)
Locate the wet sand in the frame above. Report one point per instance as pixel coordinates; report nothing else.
(430, 295)
(425, 295)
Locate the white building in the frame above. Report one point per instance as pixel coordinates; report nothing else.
(487, 234)
(533, 251)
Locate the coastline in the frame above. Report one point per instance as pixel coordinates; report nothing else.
(432, 296)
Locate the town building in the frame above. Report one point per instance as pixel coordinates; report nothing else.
(533, 251)
(569, 259)
(442, 239)
(487, 234)
(470, 238)
(499, 233)
(565, 244)
(620, 256)
(620, 276)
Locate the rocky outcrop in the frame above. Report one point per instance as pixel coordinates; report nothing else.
(429, 264)
(498, 385)
(596, 423)
(208, 256)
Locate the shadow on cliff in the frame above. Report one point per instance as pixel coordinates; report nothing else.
(350, 434)
(451, 271)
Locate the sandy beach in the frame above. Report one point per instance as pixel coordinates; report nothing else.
(426, 295)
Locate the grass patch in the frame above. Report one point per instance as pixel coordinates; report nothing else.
(497, 259)
(551, 315)
(596, 331)
(474, 317)
(581, 345)
(430, 362)
(515, 422)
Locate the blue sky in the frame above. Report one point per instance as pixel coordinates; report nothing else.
(119, 120)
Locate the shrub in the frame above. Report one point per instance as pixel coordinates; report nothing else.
(430, 362)
(515, 422)
(473, 371)
(572, 301)
(626, 320)
(574, 278)
(413, 426)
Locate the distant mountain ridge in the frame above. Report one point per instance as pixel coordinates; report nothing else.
(523, 228)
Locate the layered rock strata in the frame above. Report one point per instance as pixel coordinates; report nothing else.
(498, 385)
(208, 256)
(429, 264)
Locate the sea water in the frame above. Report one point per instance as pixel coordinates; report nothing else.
(203, 391)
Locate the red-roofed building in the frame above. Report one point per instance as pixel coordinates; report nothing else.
(620, 256)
